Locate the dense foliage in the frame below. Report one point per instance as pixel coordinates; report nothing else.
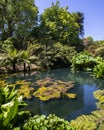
(60, 25)
(87, 62)
(83, 61)
(99, 70)
(53, 54)
(45, 40)
(50, 122)
(17, 18)
(96, 48)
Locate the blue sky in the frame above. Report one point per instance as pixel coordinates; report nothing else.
(93, 12)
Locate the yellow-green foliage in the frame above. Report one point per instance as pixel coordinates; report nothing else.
(71, 95)
(47, 81)
(22, 82)
(99, 94)
(3, 83)
(89, 122)
(26, 91)
(54, 89)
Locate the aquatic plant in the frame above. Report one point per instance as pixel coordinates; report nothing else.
(22, 82)
(26, 91)
(70, 95)
(46, 82)
(53, 89)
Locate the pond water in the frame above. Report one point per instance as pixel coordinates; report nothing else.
(65, 108)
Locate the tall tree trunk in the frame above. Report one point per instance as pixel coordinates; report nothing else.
(24, 65)
(29, 69)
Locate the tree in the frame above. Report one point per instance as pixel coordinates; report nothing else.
(88, 40)
(58, 24)
(27, 58)
(17, 18)
(79, 18)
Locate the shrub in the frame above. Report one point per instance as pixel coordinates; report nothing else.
(83, 61)
(50, 122)
(98, 70)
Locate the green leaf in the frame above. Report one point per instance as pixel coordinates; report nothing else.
(11, 112)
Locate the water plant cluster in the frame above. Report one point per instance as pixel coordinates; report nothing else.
(50, 89)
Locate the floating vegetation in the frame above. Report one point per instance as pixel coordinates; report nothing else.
(52, 89)
(70, 95)
(26, 91)
(45, 82)
(22, 82)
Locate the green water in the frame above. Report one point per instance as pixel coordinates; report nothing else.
(65, 108)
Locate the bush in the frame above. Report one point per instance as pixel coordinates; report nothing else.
(52, 54)
(98, 70)
(50, 122)
(83, 61)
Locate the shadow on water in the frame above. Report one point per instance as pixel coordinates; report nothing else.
(65, 108)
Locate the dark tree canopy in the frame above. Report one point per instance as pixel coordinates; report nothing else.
(17, 17)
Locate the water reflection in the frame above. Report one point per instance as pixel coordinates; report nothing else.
(65, 108)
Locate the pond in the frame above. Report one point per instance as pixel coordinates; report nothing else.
(65, 108)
